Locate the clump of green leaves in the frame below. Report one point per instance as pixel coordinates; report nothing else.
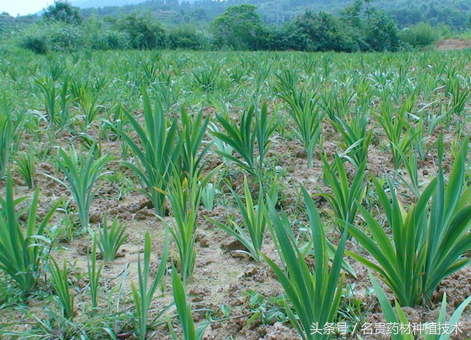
(254, 218)
(94, 273)
(245, 139)
(305, 112)
(20, 247)
(110, 238)
(428, 241)
(157, 151)
(26, 165)
(313, 294)
(60, 282)
(345, 195)
(400, 317)
(81, 173)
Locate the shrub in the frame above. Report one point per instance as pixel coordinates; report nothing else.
(144, 32)
(289, 36)
(184, 37)
(419, 35)
(381, 33)
(63, 37)
(239, 28)
(37, 44)
(64, 12)
(323, 32)
(110, 40)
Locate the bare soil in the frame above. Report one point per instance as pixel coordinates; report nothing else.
(453, 44)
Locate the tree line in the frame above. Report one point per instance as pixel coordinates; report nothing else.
(357, 27)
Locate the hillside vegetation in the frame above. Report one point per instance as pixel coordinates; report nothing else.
(357, 26)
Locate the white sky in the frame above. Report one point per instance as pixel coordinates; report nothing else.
(23, 7)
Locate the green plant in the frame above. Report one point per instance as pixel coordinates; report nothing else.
(110, 238)
(81, 173)
(192, 135)
(49, 324)
(336, 103)
(313, 294)
(242, 139)
(427, 242)
(355, 138)
(305, 112)
(230, 28)
(64, 115)
(207, 78)
(190, 332)
(419, 35)
(459, 96)
(398, 130)
(411, 166)
(429, 333)
(93, 274)
(143, 30)
(266, 310)
(68, 225)
(185, 197)
(87, 101)
(223, 148)
(157, 151)
(254, 218)
(26, 165)
(6, 138)
(48, 89)
(353, 311)
(60, 282)
(64, 12)
(344, 197)
(19, 249)
(36, 44)
(207, 196)
(143, 293)
(12, 125)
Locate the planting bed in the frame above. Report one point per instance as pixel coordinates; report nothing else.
(85, 101)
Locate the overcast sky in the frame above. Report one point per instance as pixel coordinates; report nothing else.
(23, 7)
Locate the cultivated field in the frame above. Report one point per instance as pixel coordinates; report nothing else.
(235, 195)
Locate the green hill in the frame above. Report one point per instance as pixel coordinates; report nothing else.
(455, 13)
(199, 13)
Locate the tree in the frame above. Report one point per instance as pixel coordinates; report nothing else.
(185, 37)
(351, 14)
(144, 33)
(63, 11)
(239, 27)
(381, 33)
(287, 37)
(324, 32)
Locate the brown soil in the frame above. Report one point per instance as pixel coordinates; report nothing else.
(453, 44)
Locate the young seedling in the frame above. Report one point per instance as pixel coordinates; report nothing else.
(144, 292)
(81, 173)
(60, 282)
(110, 238)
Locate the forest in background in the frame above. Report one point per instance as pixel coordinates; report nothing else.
(341, 26)
(202, 12)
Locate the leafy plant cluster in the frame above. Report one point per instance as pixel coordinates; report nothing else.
(192, 130)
